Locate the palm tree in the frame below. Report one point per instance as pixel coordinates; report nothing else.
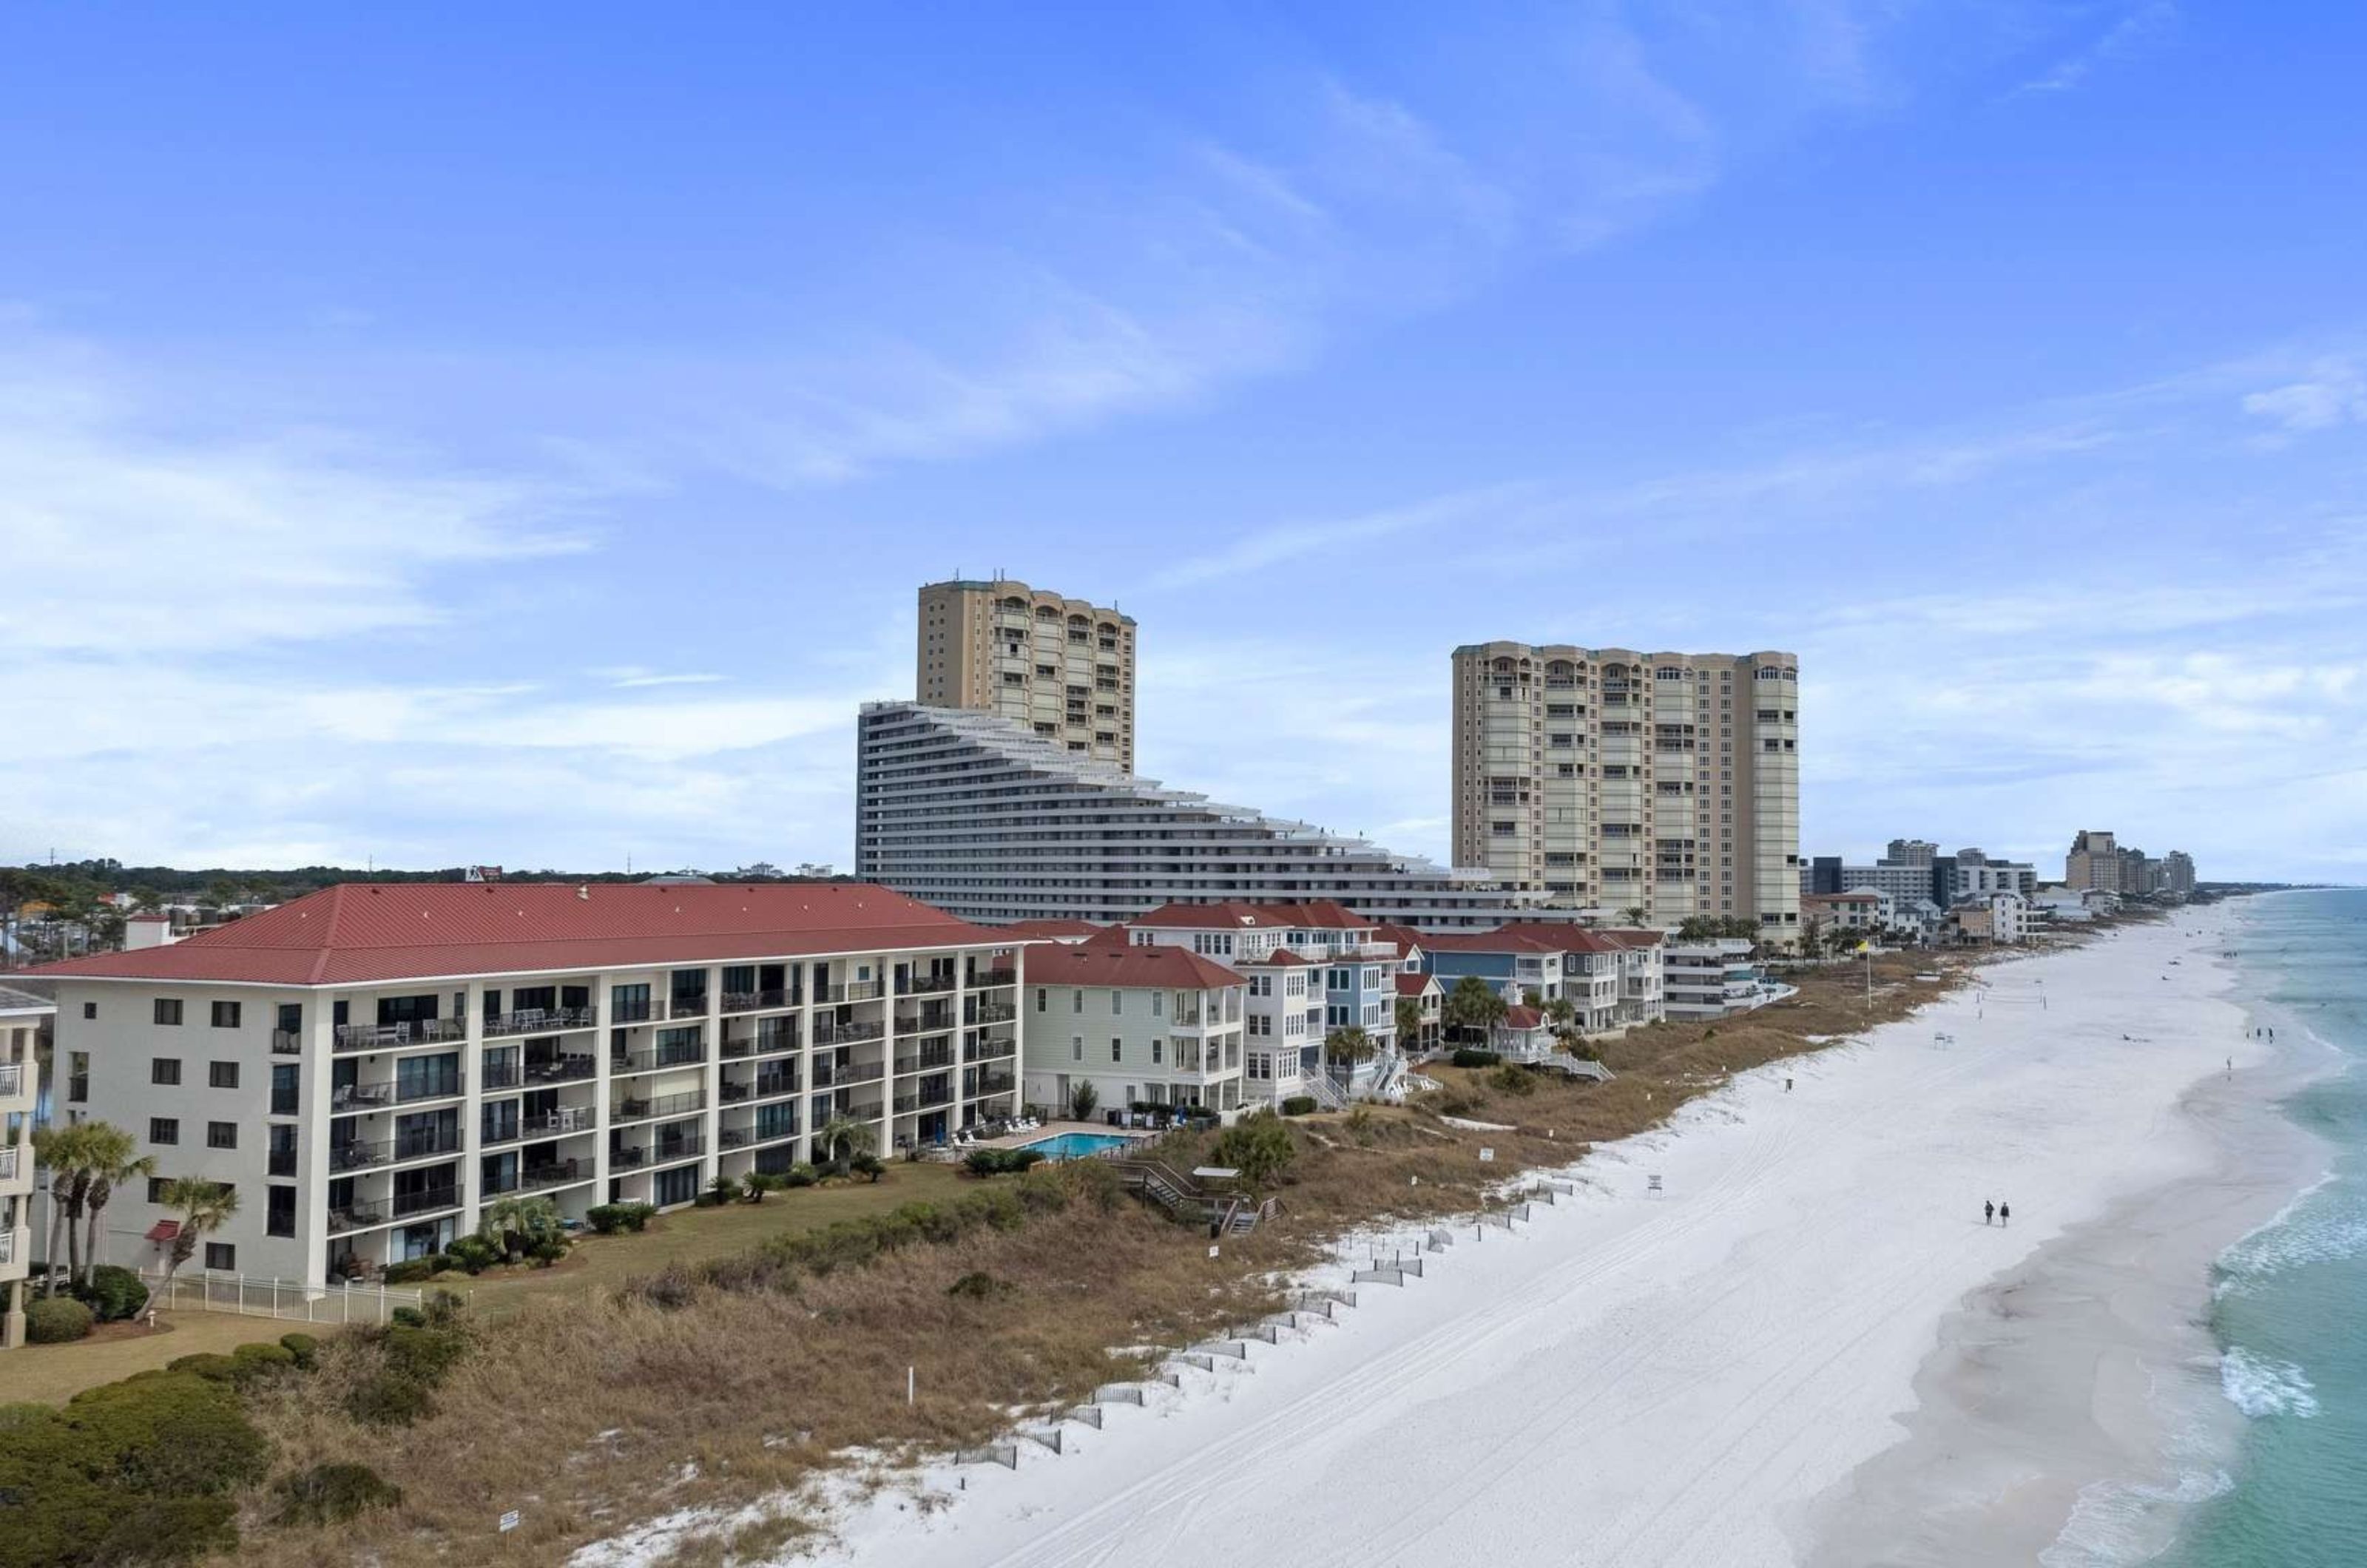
(206, 1207)
(114, 1162)
(1474, 1004)
(1346, 1046)
(65, 1153)
(1635, 914)
(841, 1139)
(516, 1222)
(1082, 1098)
(1409, 1012)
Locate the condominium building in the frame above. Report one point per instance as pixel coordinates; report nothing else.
(368, 1066)
(1611, 979)
(980, 815)
(21, 1016)
(2178, 873)
(1715, 977)
(1608, 779)
(1148, 1027)
(2095, 861)
(1059, 665)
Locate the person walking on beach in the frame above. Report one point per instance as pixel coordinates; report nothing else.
(1988, 1212)
(2005, 1213)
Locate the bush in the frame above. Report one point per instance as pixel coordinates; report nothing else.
(113, 1293)
(723, 1190)
(412, 1360)
(867, 1165)
(1469, 1056)
(56, 1320)
(408, 1317)
(1456, 1103)
(1298, 1105)
(978, 1286)
(799, 1174)
(1513, 1080)
(1258, 1147)
(329, 1493)
(252, 1363)
(1001, 1162)
(304, 1348)
(384, 1399)
(474, 1254)
(413, 1270)
(547, 1251)
(610, 1218)
(132, 1472)
(443, 1308)
(213, 1367)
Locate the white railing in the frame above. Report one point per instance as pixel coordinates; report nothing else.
(8, 1157)
(251, 1296)
(8, 1245)
(12, 1079)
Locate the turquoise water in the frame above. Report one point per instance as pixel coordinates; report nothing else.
(1076, 1145)
(2290, 1301)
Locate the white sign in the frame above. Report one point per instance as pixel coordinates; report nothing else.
(1487, 1157)
(1212, 1249)
(509, 1521)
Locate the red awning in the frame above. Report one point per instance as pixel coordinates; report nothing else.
(163, 1230)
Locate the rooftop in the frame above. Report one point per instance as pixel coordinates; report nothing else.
(1111, 964)
(1322, 914)
(367, 933)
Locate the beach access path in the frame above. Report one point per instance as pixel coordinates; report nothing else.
(1640, 1378)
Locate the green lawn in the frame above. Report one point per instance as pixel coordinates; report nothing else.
(51, 1374)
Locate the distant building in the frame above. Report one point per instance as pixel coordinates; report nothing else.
(1062, 666)
(1864, 911)
(1715, 977)
(1611, 979)
(1608, 779)
(2178, 874)
(2094, 861)
(1999, 917)
(21, 1016)
(1824, 876)
(1969, 873)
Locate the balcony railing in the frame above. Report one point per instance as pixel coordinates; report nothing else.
(565, 1069)
(434, 1141)
(501, 1074)
(663, 1152)
(360, 1154)
(921, 985)
(395, 1036)
(994, 1083)
(775, 1085)
(929, 1021)
(355, 1096)
(688, 1007)
(541, 1021)
(557, 1174)
(639, 1011)
(991, 1050)
(761, 1044)
(992, 1012)
(827, 1033)
(356, 1216)
(926, 1061)
(662, 1105)
(828, 1075)
(560, 1124)
(757, 1001)
(434, 1088)
(1002, 976)
(287, 1042)
(774, 1131)
(852, 991)
(659, 1060)
(426, 1201)
(9, 1158)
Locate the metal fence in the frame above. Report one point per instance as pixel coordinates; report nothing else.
(251, 1296)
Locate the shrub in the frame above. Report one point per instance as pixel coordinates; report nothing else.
(213, 1367)
(443, 1308)
(757, 1183)
(304, 1348)
(132, 1472)
(113, 1293)
(547, 1251)
(1456, 1103)
(799, 1174)
(1470, 1057)
(384, 1399)
(978, 1286)
(474, 1254)
(1513, 1080)
(57, 1320)
(723, 1190)
(1258, 1147)
(412, 1271)
(606, 1219)
(868, 1165)
(1001, 1162)
(329, 1493)
(252, 1364)
(408, 1317)
(636, 1216)
(412, 1361)
(1298, 1105)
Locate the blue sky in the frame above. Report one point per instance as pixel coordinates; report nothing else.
(455, 434)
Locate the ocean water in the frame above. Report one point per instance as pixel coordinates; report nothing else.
(2289, 1305)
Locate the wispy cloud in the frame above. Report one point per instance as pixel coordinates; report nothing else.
(2136, 28)
(2334, 393)
(632, 677)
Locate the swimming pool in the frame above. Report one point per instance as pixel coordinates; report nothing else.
(1077, 1145)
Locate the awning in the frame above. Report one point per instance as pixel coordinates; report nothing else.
(163, 1230)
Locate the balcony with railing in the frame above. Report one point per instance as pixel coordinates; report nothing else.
(828, 1033)
(658, 1151)
(358, 1153)
(994, 1083)
(660, 1105)
(990, 1012)
(923, 985)
(558, 1173)
(400, 1036)
(659, 1058)
(10, 1160)
(639, 1011)
(563, 1069)
(360, 1098)
(990, 1050)
(688, 1007)
(927, 1059)
(833, 1074)
(494, 1075)
(356, 1217)
(442, 1085)
(851, 991)
(758, 1002)
(763, 1042)
(541, 1021)
(1004, 976)
(426, 1201)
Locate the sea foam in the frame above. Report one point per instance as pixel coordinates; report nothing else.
(2261, 1386)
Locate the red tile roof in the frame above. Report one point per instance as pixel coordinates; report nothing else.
(1157, 965)
(1542, 936)
(1415, 985)
(1050, 926)
(365, 933)
(1280, 958)
(1321, 914)
(1518, 1018)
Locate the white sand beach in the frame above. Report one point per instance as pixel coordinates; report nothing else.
(1693, 1377)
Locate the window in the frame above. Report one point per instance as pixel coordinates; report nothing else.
(280, 1219)
(156, 1188)
(1076, 1047)
(165, 1070)
(1158, 1003)
(222, 1256)
(1118, 1049)
(1154, 1051)
(1117, 1001)
(1041, 996)
(168, 1011)
(90, 1009)
(225, 1015)
(222, 1075)
(283, 1090)
(221, 1134)
(77, 1077)
(163, 1129)
(1077, 1000)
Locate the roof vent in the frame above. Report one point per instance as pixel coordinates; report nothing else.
(584, 891)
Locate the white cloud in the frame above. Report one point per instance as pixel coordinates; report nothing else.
(2135, 29)
(2335, 393)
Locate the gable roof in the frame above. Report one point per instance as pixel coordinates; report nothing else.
(1320, 914)
(1517, 1017)
(1152, 964)
(1415, 985)
(367, 933)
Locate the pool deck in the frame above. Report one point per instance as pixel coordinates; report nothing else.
(1054, 1129)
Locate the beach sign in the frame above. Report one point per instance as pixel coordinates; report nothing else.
(1487, 1157)
(509, 1521)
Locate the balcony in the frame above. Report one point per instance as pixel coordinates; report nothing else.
(660, 1059)
(8, 1162)
(425, 1202)
(560, 1124)
(735, 1137)
(990, 1051)
(660, 1105)
(827, 1075)
(501, 1074)
(828, 1034)
(923, 985)
(639, 1011)
(761, 1044)
(992, 1012)
(356, 1217)
(994, 1083)
(359, 1154)
(541, 1021)
(433, 1141)
(396, 1036)
(450, 1087)
(560, 1173)
(663, 1151)
(1002, 976)
(565, 1069)
(926, 1061)
(688, 1007)
(757, 1001)
(287, 1042)
(352, 1098)
(774, 1086)
(852, 991)
(928, 1021)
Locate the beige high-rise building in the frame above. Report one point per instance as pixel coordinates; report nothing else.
(1060, 666)
(1613, 780)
